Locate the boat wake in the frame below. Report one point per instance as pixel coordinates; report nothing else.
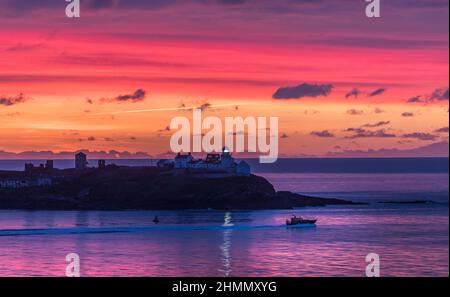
(131, 229)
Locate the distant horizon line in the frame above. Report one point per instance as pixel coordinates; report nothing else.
(256, 158)
(433, 150)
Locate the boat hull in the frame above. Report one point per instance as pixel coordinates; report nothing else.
(301, 226)
(303, 223)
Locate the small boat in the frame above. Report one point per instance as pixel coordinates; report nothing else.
(156, 220)
(299, 221)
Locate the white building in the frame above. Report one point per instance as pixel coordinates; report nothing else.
(243, 168)
(217, 163)
(181, 161)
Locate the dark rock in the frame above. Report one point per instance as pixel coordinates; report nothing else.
(152, 188)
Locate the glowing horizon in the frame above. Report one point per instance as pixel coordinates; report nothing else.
(113, 79)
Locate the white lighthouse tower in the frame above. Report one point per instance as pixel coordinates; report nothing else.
(227, 161)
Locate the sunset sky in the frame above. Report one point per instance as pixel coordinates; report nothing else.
(339, 81)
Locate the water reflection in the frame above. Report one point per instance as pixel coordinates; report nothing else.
(225, 247)
(241, 243)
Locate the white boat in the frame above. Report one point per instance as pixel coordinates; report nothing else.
(300, 222)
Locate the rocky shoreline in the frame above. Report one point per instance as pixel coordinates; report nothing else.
(147, 188)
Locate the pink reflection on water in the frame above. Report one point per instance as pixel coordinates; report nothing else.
(412, 241)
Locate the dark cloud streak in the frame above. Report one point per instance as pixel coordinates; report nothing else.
(323, 134)
(377, 92)
(303, 90)
(9, 101)
(138, 95)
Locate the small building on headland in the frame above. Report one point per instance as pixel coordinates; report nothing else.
(29, 167)
(101, 164)
(42, 168)
(243, 168)
(215, 165)
(49, 165)
(81, 161)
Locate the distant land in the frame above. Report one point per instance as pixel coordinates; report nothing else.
(148, 188)
(49, 155)
(438, 149)
(353, 165)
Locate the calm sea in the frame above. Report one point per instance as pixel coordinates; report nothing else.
(411, 239)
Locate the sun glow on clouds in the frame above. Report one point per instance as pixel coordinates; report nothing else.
(230, 56)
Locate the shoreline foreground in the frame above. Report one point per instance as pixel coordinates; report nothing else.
(150, 188)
